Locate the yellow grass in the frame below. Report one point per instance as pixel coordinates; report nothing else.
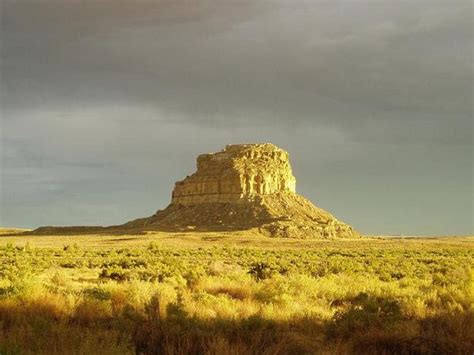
(237, 293)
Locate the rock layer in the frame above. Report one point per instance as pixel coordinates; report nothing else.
(236, 174)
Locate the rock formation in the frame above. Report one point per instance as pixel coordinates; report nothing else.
(235, 175)
(245, 186)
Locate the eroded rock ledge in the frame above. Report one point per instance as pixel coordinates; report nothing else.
(236, 174)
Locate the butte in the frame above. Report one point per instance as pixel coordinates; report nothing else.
(244, 186)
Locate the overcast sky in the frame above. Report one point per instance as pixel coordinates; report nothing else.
(105, 104)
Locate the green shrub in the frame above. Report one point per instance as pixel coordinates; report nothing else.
(261, 271)
(365, 312)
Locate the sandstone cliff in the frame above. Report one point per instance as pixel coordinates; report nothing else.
(247, 186)
(236, 174)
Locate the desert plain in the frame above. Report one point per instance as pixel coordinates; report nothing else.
(234, 292)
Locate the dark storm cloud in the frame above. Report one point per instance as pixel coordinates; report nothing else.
(299, 60)
(95, 90)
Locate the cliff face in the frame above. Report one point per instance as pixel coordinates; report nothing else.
(236, 174)
(246, 186)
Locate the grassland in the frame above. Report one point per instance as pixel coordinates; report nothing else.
(237, 293)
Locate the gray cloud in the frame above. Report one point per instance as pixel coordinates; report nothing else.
(109, 100)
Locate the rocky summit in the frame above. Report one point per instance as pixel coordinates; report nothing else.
(244, 186)
(236, 175)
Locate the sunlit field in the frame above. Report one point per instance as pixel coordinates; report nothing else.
(222, 293)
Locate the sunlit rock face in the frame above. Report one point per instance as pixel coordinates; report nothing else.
(237, 174)
(244, 187)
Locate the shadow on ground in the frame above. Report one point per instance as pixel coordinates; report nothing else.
(362, 324)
